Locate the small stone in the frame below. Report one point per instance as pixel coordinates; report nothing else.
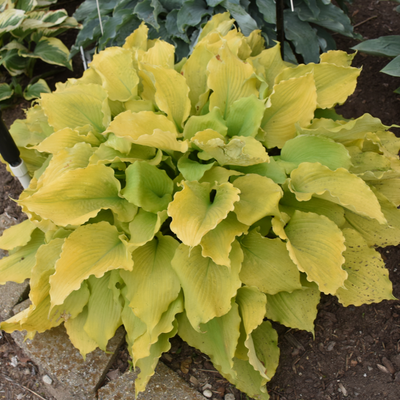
(14, 361)
(229, 396)
(388, 364)
(330, 346)
(207, 393)
(383, 368)
(47, 380)
(20, 396)
(193, 380)
(207, 386)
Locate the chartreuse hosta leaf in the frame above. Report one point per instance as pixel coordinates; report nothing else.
(213, 120)
(17, 235)
(292, 102)
(208, 288)
(339, 186)
(76, 106)
(115, 67)
(96, 248)
(152, 284)
(366, 269)
(315, 245)
(212, 204)
(267, 265)
(148, 187)
(64, 202)
(296, 309)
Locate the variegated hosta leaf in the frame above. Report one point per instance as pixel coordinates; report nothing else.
(148, 187)
(171, 93)
(18, 265)
(267, 265)
(217, 243)
(208, 288)
(297, 309)
(77, 106)
(368, 281)
(6, 91)
(65, 138)
(251, 208)
(36, 89)
(212, 204)
(64, 202)
(17, 235)
(118, 76)
(93, 250)
(327, 77)
(239, 150)
(315, 149)
(218, 338)
(152, 284)
(104, 311)
(291, 102)
(230, 79)
(315, 245)
(10, 19)
(339, 186)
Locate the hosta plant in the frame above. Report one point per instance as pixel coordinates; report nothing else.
(28, 31)
(180, 22)
(203, 199)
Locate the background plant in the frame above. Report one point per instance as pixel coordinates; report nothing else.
(28, 31)
(179, 22)
(156, 201)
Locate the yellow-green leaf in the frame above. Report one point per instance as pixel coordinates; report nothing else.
(17, 235)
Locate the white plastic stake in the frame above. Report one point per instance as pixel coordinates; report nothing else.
(83, 59)
(98, 11)
(291, 5)
(21, 172)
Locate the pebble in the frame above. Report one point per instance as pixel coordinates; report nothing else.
(229, 396)
(46, 379)
(207, 393)
(14, 361)
(207, 386)
(330, 346)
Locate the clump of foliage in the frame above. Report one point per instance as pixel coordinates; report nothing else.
(28, 31)
(179, 22)
(199, 199)
(384, 46)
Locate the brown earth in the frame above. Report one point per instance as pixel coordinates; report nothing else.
(356, 350)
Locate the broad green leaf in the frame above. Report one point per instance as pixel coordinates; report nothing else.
(297, 309)
(36, 89)
(315, 149)
(77, 106)
(219, 175)
(171, 93)
(6, 91)
(315, 245)
(239, 150)
(339, 186)
(259, 197)
(148, 187)
(213, 120)
(366, 270)
(208, 288)
(104, 313)
(267, 265)
(78, 336)
(17, 235)
(115, 67)
(291, 102)
(18, 266)
(145, 225)
(334, 83)
(393, 68)
(65, 203)
(52, 51)
(211, 203)
(388, 46)
(217, 243)
(230, 79)
(93, 250)
(245, 117)
(192, 170)
(218, 338)
(152, 283)
(65, 138)
(13, 62)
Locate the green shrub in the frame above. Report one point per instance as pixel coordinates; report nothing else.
(27, 32)
(179, 22)
(156, 201)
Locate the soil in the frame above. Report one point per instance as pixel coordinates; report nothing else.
(356, 350)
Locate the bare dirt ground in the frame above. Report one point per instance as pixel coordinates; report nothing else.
(356, 350)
